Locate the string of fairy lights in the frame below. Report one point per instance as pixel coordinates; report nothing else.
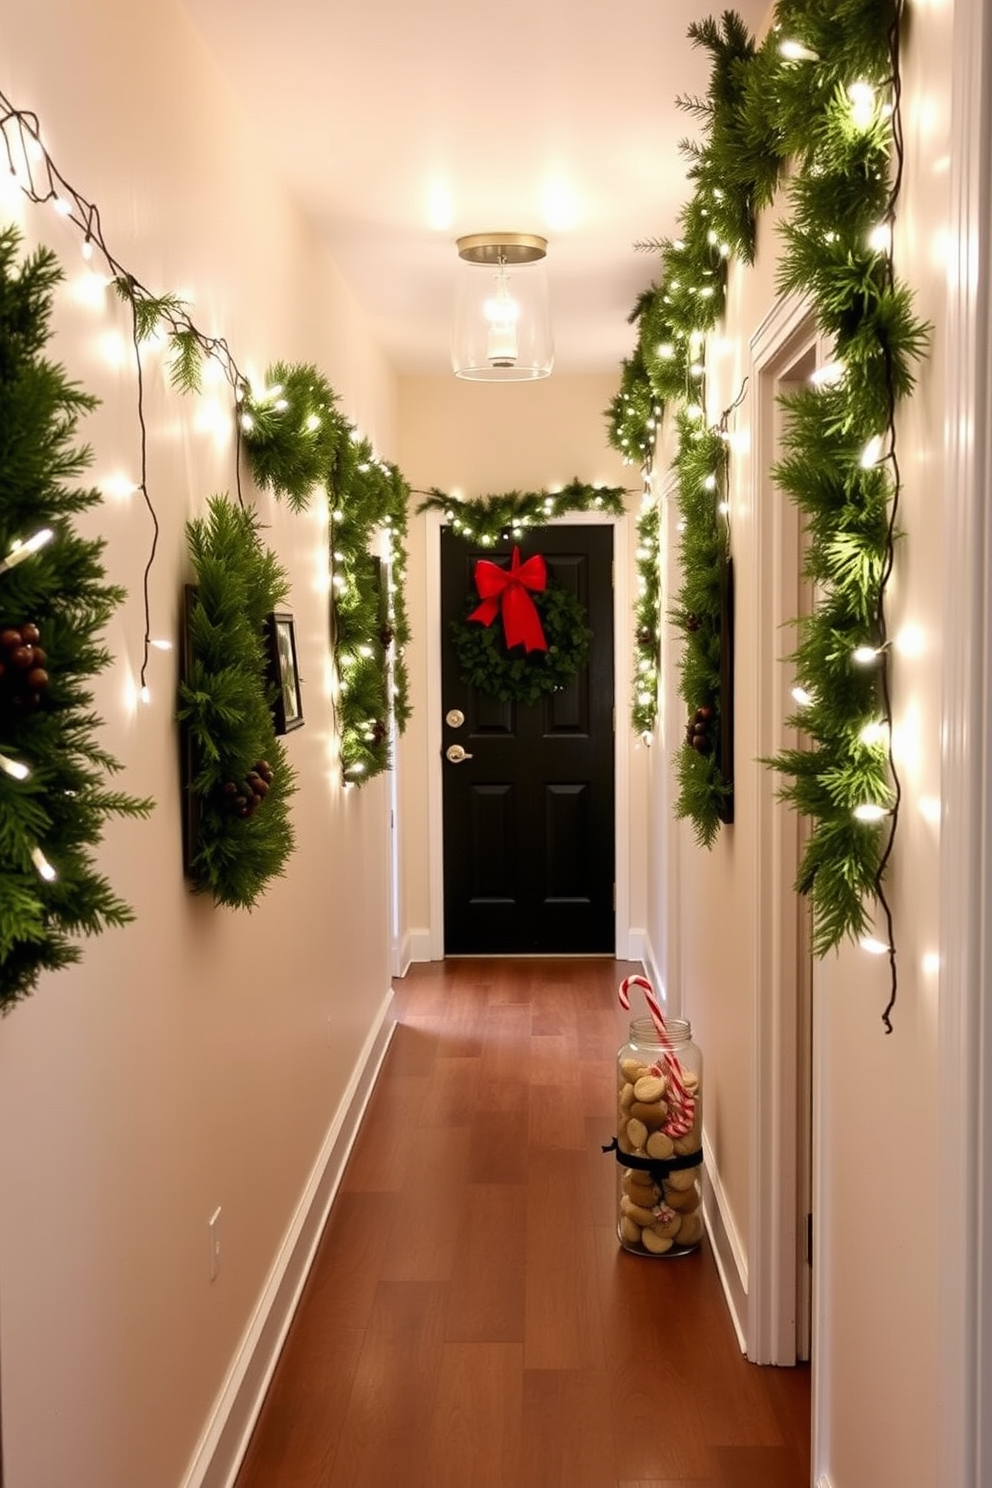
(821, 93)
(153, 316)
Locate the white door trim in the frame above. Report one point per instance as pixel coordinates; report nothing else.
(964, 1026)
(622, 622)
(784, 334)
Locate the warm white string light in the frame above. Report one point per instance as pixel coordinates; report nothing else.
(22, 550)
(44, 867)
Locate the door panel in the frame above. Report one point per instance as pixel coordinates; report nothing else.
(529, 813)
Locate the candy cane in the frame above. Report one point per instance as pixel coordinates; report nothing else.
(680, 1124)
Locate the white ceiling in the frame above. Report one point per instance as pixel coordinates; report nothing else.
(400, 125)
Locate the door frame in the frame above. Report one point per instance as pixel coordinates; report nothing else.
(964, 1028)
(628, 945)
(781, 1102)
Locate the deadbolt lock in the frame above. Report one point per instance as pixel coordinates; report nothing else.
(455, 718)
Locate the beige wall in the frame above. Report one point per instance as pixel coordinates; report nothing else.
(879, 1226)
(199, 1057)
(471, 440)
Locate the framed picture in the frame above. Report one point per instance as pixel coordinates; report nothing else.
(288, 706)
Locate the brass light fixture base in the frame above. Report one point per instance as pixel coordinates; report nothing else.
(506, 248)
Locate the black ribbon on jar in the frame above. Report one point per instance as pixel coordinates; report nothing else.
(658, 1168)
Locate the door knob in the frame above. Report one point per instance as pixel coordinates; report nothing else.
(456, 754)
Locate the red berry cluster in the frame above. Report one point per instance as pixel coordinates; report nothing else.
(699, 730)
(23, 677)
(244, 797)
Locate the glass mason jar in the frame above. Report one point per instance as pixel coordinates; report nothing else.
(659, 1139)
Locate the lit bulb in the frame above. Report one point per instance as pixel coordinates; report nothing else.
(87, 249)
(22, 550)
(794, 51)
(871, 454)
(802, 697)
(144, 694)
(14, 768)
(502, 313)
(880, 238)
(666, 351)
(161, 645)
(870, 811)
(247, 422)
(864, 655)
(724, 507)
(862, 96)
(829, 374)
(710, 483)
(872, 946)
(44, 867)
(118, 487)
(648, 737)
(63, 207)
(873, 733)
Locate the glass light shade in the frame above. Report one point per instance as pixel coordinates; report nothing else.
(502, 324)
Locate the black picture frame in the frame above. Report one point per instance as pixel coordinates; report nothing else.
(284, 671)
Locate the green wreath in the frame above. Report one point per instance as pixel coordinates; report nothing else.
(518, 676)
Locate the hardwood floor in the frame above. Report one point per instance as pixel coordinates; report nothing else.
(470, 1320)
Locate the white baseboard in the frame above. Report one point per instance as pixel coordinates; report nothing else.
(823, 1481)
(420, 945)
(730, 1255)
(225, 1438)
(631, 947)
(402, 957)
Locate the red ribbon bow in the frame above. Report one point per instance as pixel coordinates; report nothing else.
(506, 589)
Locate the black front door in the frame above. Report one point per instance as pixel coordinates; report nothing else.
(529, 813)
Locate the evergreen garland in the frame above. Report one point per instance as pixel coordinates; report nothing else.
(701, 464)
(296, 440)
(225, 705)
(489, 518)
(647, 617)
(823, 92)
(515, 675)
(51, 818)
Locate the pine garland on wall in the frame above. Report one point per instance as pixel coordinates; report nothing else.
(294, 437)
(490, 518)
(225, 707)
(296, 441)
(822, 92)
(54, 601)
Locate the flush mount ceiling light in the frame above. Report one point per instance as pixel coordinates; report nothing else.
(502, 326)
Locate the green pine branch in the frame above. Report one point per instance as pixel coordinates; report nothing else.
(60, 810)
(225, 707)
